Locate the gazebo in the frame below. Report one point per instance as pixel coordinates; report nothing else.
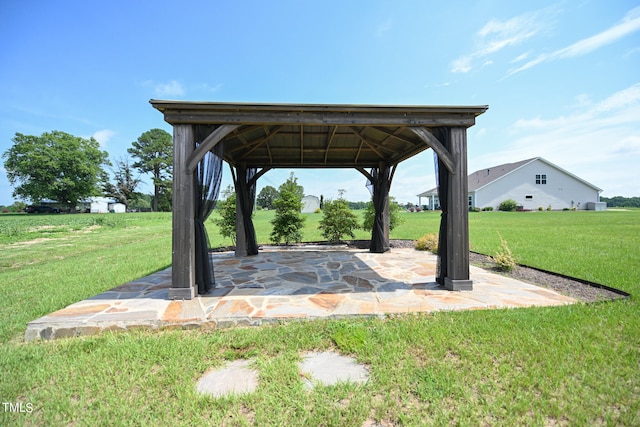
(255, 138)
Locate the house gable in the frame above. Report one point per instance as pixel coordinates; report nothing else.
(537, 183)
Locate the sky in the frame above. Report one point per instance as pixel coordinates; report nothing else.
(561, 78)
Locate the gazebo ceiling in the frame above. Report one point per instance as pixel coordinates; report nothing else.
(309, 135)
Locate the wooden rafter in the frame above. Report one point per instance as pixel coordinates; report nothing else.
(330, 136)
(257, 143)
(372, 144)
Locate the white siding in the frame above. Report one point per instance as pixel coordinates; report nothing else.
(561, 190)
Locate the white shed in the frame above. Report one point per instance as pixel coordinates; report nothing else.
(310, 204)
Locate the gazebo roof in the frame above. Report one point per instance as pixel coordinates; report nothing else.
(314, 135)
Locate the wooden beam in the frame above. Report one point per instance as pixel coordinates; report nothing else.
(364, 172)
(316, 118)
(207, 145)
(302, 144)
(183, 279)
(458, 216)
(444, 155)
(330, 136)
(257, 176)
(360, 135)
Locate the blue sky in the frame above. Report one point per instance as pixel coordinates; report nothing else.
(561, 78)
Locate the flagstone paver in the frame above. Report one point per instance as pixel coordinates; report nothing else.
(281, 284)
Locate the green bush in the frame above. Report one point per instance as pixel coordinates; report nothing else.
(337, 220)
(488, 209)
(226, 209)
(508, 205)
(428, 242)
(287, 223)
(394, 215)
(540, 208)
(474, 209)
(504, 258)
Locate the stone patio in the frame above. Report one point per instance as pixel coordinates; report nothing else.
(282, 284)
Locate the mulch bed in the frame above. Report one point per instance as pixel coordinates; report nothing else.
(581, 290)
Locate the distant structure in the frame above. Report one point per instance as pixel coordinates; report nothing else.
(310, 204)
(533, 183)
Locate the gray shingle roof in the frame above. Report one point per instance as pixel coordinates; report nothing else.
(483, 177)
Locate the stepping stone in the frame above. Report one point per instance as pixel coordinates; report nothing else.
(329, 368)
(234, 378)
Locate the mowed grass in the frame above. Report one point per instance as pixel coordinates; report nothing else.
(573, 365)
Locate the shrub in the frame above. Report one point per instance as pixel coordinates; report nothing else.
(394, 215)
(428, 242)
(549, 208)
(474, 209)
(227, 211)
(287, 222)
(504, 258)
(488, 209)
(318, 210)
(508, 205)
(337, 220)
(540, 208)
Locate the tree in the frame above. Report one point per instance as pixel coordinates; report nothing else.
(288, 221)
(227, 211)
(154, 151)
(56, 166)
(124, 189)
(394, 215)
(266, 197)
(337, 220)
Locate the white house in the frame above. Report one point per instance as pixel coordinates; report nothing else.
(532, 183)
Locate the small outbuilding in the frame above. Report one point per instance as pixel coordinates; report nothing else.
(310, 204)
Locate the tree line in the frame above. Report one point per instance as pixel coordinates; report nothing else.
(621, 202)
(67, 169)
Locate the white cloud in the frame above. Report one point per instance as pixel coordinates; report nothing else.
(103, 136)
(497, 35)
(628, 25)
(383, 28)
(169, 89)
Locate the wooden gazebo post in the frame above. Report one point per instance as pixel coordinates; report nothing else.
(183, 243)
(458, 224)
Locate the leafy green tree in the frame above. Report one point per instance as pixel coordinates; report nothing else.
(337, 220)
(56, 166)
(288, 221)
(154, 151)
(124, 189)
(394, 215)
(266, 197)
(227, 211)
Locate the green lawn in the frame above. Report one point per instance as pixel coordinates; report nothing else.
(574, 365)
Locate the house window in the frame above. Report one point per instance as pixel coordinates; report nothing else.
(470, 202)
(528, 197)
(541, 179)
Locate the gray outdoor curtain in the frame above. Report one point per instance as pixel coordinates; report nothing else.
(208, 176)
(380, 186)
(442, 184)
(246, 197)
